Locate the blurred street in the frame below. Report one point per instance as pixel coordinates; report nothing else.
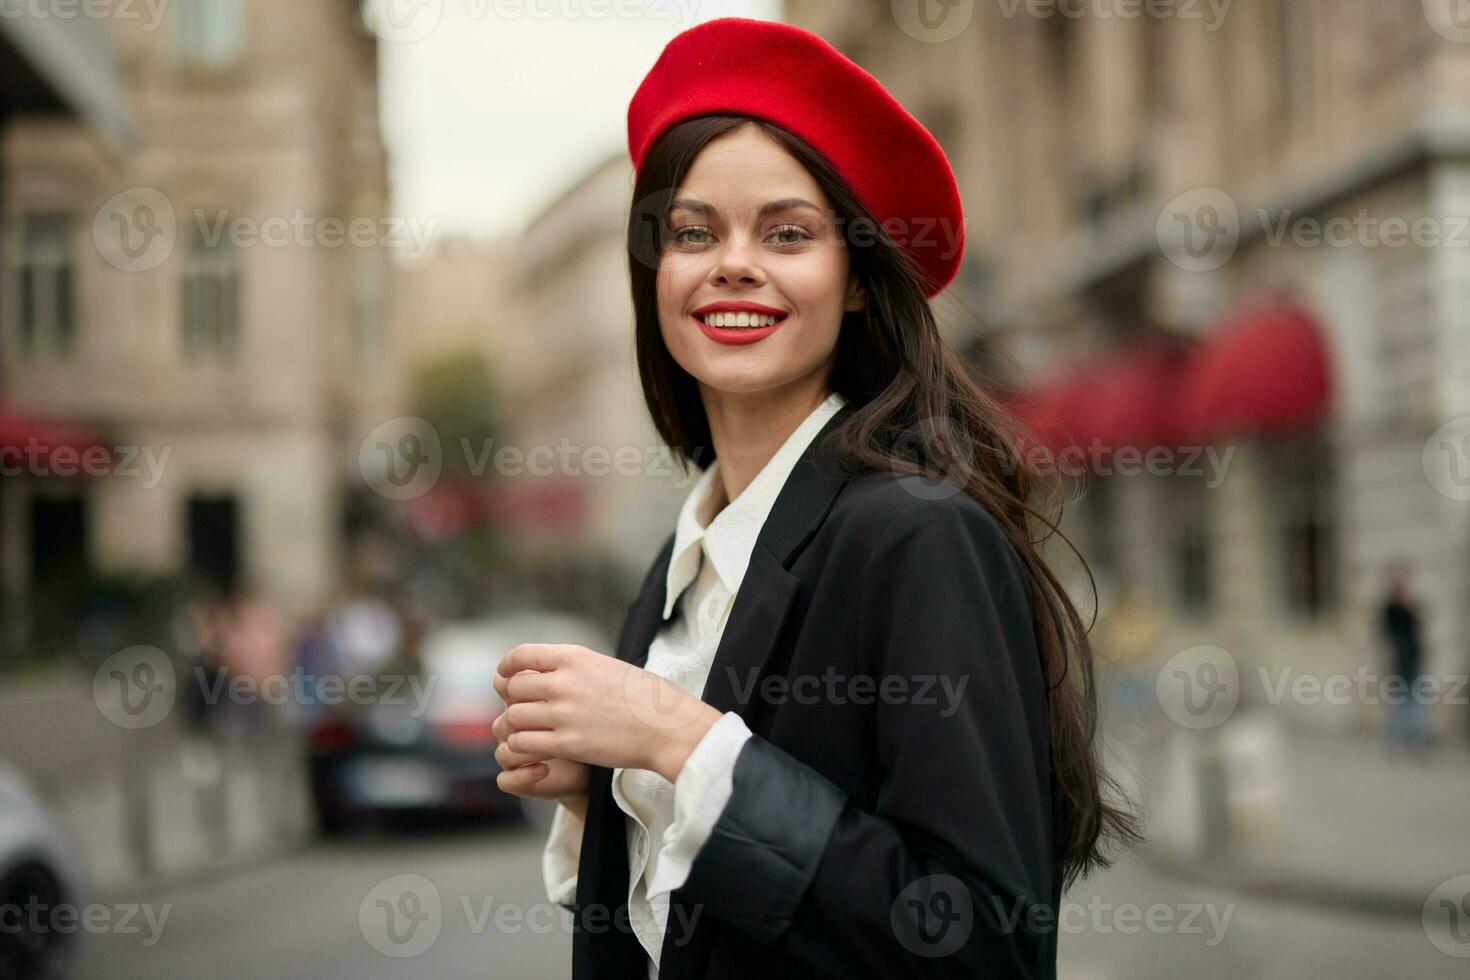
(321, 389)
(298, 916)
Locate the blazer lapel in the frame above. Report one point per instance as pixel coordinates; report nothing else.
(760, 609)
(768, 588)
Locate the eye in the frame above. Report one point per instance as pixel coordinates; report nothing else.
(802, 234)
(679, 235)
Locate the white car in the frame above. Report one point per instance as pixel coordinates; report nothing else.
(38, 874)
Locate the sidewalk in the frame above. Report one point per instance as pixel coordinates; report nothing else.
(1328, 819)
(157, 803)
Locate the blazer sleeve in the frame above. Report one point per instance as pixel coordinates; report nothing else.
(951, 872)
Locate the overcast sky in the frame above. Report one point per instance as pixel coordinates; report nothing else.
(502, 103)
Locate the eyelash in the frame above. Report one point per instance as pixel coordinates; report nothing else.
(806, 235)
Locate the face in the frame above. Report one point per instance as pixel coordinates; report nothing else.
(750, 225)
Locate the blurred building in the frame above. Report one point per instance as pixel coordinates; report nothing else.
(208, 293)
(576, 477)
(577, 390)
(1245, 232)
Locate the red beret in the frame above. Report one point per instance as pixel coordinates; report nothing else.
(795, 79)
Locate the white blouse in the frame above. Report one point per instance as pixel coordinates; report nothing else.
(713, 555)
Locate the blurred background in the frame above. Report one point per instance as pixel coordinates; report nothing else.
(317, 395)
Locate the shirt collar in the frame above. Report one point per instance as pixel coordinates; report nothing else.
(730, 537)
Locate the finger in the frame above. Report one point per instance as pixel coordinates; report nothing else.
(520, 781)
(533, 742)
(530, 656)
(528, 685)
(528, 716)
(509, 759)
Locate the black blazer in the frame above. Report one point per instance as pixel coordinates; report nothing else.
(872, 831)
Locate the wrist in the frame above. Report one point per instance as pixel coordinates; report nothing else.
(679, 743)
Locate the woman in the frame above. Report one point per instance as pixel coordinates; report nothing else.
(848, 727)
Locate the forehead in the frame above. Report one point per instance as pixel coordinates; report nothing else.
(743, 169)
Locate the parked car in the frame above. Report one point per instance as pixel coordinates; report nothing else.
(401, 757)
(38, 870)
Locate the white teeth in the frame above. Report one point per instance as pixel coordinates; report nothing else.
(739, 320)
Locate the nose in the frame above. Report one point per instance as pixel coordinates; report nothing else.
(736, 265)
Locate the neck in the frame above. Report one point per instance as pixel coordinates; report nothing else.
(747, 429)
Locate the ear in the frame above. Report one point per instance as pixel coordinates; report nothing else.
(857, 297)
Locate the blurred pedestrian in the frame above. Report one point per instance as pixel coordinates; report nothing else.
(1405, 724)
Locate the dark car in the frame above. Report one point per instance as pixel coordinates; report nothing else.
(431, 750)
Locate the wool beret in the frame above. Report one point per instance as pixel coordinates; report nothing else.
(795, 79)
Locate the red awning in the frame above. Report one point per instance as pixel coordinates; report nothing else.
(1122, 401)
(26, 440)
(1265, 370)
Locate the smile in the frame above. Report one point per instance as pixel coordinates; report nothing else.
(738, 326)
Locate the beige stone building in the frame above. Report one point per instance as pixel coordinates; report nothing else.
(575, 386)
(209, 295)
(1144, 182)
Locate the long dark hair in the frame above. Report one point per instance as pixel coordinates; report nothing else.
(918, 411)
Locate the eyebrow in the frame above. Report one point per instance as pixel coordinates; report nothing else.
(770, 207)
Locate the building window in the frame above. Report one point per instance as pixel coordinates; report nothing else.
(1189, 543)
(1303, 497)
(47, 315)
(211, 298)
(1291, 35)
(208, 34)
